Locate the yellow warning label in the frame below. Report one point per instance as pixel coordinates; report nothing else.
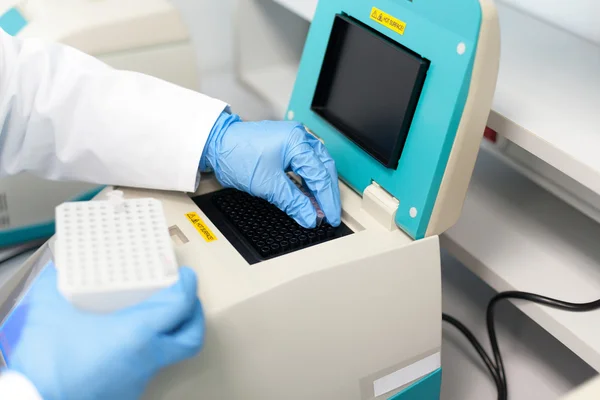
(201, 227)
(387, 20)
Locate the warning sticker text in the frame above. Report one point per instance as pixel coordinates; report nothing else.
(201, 227)
(387, 20)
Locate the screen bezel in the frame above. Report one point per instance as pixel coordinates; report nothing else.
(341, 24)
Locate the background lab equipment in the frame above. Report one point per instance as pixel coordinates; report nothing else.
(399, 93)
(122, 33)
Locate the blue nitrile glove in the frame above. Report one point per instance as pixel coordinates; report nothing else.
(69, 354)
(255, 156)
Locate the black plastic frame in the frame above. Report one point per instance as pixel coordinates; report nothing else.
(341, 25)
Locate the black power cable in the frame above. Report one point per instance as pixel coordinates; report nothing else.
(478, 347)
(496, 368)
(535, 298)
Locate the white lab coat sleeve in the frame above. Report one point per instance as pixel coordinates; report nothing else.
(65, 115)
(14, 386)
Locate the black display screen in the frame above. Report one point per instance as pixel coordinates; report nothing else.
(368, 88)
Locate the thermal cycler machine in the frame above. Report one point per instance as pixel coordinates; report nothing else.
(399, 92)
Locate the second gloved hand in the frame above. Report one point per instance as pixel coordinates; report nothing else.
(255, 156)
(69, 354)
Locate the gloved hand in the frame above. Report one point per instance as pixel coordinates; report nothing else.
(255, 156)
(69, 354)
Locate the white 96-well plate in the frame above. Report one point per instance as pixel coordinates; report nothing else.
(113, 254)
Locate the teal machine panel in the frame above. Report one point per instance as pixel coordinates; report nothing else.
(13, 21)
(427, 388)
(440, 39)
